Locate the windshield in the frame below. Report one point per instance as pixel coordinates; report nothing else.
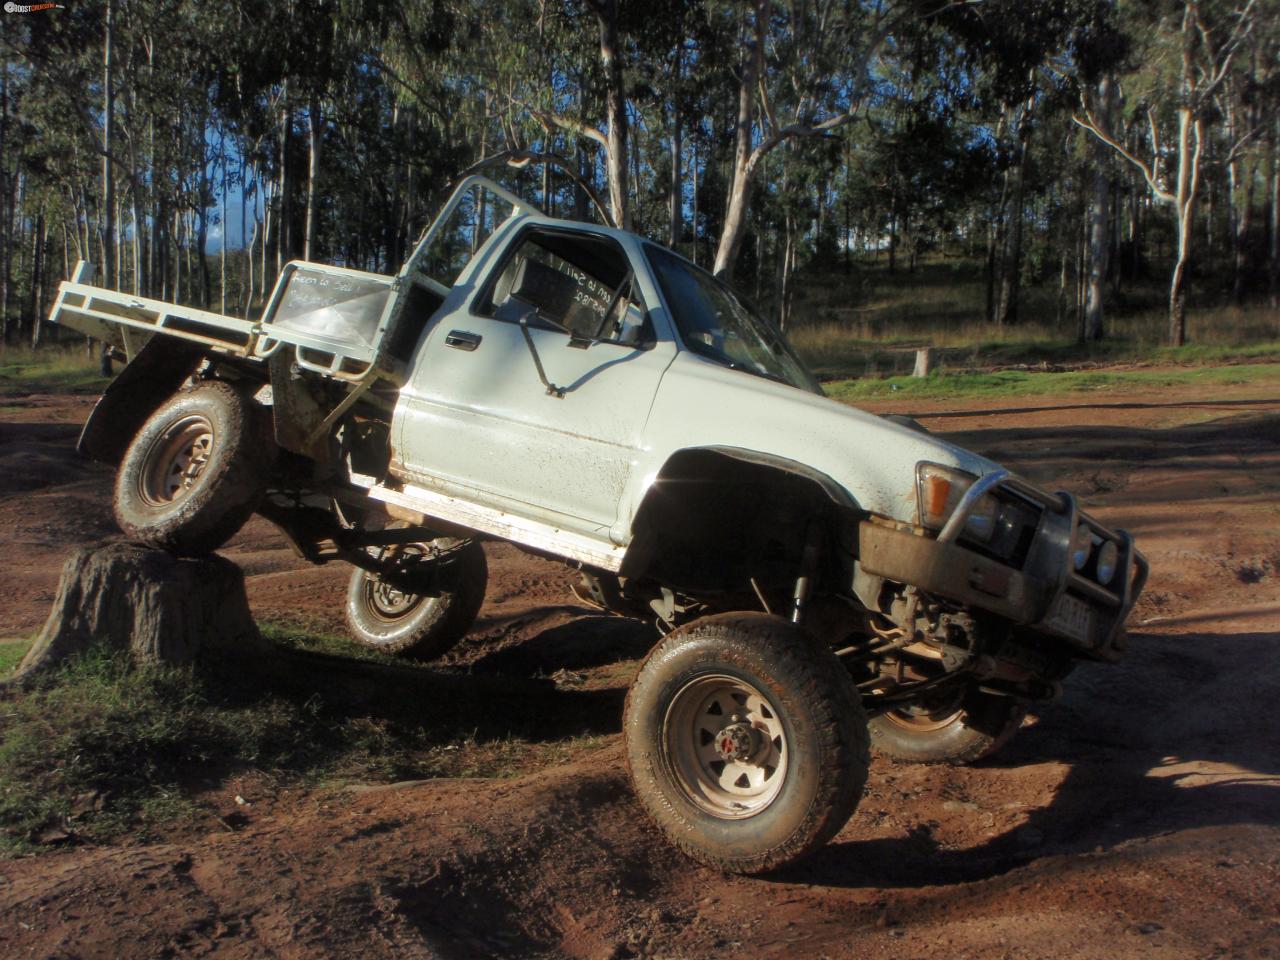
(715, 323)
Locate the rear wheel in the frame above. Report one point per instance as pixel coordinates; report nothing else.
(195, 471)
(960, 726)
(746, 742)
(420, 625)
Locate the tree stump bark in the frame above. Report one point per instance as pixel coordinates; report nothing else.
(157, 607)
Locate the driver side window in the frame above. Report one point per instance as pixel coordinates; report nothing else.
(577, 283)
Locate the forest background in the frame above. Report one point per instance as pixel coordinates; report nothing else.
(1006, 181)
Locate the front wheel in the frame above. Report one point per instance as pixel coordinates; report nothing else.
(957, 727)
(196, 470)
(746, 741)
(420, 625)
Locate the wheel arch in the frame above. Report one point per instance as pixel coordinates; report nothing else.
(715, 508)
(155, 374)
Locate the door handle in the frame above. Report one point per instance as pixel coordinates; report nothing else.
(462, 340)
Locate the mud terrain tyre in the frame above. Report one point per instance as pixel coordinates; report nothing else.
(746, 741)
(195, 471)
(966, 728)
(420, 626)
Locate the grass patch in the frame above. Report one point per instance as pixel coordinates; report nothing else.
(101, 748)
(49, 370)
(305, 639)
(11, 654)
(1029, 383)
(866, 322)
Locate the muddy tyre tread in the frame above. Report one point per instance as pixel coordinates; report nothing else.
(229, 491)
(957, 745)
(765, 646)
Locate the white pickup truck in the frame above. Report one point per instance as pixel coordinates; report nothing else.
(590, 396)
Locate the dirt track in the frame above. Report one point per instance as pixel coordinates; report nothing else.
(1140, 815)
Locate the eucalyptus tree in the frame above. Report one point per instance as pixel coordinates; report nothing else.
(1184, 52)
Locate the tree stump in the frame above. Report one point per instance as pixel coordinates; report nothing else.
(924, 362)
(157, 607)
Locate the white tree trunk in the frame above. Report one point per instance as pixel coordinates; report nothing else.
(1100, 194)
(735, 218)
(309, 250)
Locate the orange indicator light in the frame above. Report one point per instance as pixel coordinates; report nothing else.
(936, 491)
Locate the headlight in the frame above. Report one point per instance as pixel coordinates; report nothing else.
(940, 490)
(1081, 547)
(981, 523)
(1108, 555)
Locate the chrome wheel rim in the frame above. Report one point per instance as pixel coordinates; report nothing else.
(724, 742)
(176, 460)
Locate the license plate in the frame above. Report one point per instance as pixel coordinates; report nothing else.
(1071, 617)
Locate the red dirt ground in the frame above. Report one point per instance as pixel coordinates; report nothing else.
(1138, 816)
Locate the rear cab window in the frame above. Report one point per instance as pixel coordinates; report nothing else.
(578, 283)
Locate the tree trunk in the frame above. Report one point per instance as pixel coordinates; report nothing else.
(675, 198)
(6, 219)
(787, 291)
(41, 283)
(1243, 218)
(579, 195)
(1237, 219)
(309, 250)
(1273, 260)
(108, 184)
(1081, 241)
(996, 229)
(159, 608)
(268, 204)
(37, 276)
(246, 275)
(284, 246)
(202, 237)
(606, 12)
(222, 247)
(694, 226)
(1100, 195)
(139, 281)
(1190, 138)
(740, 187)
(155, 256)
(1062, 289)
(1011, 265)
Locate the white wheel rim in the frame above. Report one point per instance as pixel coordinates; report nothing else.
(725, 744)
(175, 461)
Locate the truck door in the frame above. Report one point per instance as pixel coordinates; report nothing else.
(532, 395)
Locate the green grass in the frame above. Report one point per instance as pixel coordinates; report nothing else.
(868, 322)
(100, 748)
(48, 370)
(304, 638)
(11, 654)
(1004, 383)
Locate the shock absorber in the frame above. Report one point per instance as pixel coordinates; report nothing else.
(808, 569)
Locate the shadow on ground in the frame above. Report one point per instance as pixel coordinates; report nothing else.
(1166, 742)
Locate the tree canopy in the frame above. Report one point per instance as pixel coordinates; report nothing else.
(191, 149)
